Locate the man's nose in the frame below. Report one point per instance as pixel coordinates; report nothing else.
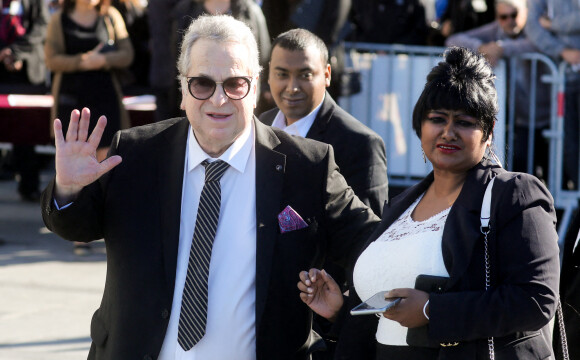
(219, 97)
(292, 86)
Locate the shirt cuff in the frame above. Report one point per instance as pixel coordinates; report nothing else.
(61, 207)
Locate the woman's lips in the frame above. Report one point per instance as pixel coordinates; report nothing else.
(447, 148)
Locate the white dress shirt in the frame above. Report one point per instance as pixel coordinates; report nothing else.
(300, 127)
(230, 330)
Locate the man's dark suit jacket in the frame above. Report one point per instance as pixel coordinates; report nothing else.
(359, 151)
(136, 208)
(524, 259)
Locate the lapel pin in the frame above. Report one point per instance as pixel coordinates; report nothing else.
(279, 168)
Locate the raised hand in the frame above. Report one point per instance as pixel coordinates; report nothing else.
(321, 293)
(76, 159)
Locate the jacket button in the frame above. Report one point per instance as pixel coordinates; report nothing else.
(165, 313)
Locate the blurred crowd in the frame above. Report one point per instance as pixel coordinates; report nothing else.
(92, 53)
(129, 47)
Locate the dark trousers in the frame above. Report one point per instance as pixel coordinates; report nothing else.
(25, 163)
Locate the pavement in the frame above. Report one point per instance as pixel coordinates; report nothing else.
(47, 294)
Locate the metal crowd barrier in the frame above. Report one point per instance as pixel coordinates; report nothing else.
(393, 77)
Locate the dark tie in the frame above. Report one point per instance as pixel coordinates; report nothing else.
(193, 316)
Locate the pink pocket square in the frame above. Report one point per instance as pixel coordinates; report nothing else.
(289, 220)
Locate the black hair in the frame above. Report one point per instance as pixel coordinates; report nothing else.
(299, 40)
(463, 81)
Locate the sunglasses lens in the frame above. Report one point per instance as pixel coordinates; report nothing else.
(508, 16)
(202, 88)
(236, 87)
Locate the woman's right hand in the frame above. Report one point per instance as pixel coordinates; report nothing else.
(93, 60)
(321, 293)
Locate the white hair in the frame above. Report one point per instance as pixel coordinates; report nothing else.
(218, 28)
(518, 4)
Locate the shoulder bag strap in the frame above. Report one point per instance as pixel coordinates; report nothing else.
(110, 29)
(485, 228)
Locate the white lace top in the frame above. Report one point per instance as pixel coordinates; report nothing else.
(406, 249)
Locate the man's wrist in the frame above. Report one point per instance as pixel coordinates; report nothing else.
(65, 194)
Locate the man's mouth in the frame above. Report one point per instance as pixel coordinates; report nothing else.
(218, 116)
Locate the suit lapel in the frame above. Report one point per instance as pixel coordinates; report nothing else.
(461, 232)
(270, 169)
(322, 120)
(171, 161)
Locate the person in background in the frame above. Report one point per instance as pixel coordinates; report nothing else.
(135, 80)
(328, 19)
(554, 29)
(459, 16)
(389, 22)
(245, 10)
(22, 71)
(85, 42)
(503, 38)
(215, 201)
(161, 71)
(299, 75)
(433, 229)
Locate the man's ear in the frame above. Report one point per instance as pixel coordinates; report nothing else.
(183, 88)
(255, 85)
(327, 75)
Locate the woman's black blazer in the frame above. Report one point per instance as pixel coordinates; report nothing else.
(525, 271)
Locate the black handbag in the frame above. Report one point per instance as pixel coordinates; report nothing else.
(419, 336)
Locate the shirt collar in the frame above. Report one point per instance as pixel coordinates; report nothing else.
(300, 127)
(236, 155)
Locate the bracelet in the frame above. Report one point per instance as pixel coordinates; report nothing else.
(425, 308)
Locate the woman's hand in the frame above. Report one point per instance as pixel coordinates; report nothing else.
(93, 60)
(408, 312)
(321, 293)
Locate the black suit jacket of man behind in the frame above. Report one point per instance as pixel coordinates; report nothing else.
(136, 208)
(358, 150)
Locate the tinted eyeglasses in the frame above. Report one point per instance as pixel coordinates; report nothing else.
(202, 88)
(504, 17)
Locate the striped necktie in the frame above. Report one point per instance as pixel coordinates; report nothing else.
(193, 316)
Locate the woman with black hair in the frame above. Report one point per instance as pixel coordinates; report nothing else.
(433, 229)
(85, 42)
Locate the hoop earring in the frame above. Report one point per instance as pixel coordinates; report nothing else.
(424, 157)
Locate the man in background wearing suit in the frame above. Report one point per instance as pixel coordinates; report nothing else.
(298, 77)
(207, 219)
(299, 74)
